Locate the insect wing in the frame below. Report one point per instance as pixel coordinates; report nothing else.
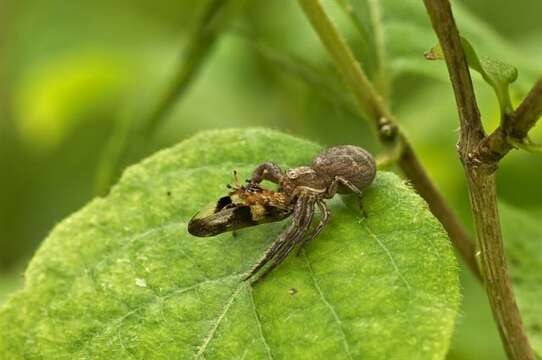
(232, 213)
(214, 219)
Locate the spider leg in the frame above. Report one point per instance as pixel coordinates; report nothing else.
(266, 171)
(349, 185)
(274, 249)
(282, 254)
(292, 230)
(296, 229)
(332, 189)
(324, 210)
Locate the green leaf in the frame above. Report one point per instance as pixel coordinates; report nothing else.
(408, 33)
(325, 80)
(523, 245)
(496, 73)
(123, 278)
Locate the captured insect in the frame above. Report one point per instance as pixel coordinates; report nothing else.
(244, 206)
(339, 169)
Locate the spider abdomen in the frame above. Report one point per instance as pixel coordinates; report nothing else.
(349, 162)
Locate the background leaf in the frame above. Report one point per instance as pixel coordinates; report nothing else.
(523, 244)
(122, 278)
(496, 73)
(408, 34)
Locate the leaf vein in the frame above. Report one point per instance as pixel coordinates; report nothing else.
(118, 321)
(212, 331)
(329, 306)
(258, 322)
(392, 260)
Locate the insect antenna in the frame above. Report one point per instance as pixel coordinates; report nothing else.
(236, 179)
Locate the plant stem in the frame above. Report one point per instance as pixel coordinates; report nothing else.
(381, 79)
(515, 126)
(482, 187)
(528, 112)
(372, 35)
(371, 102)
(386, 128)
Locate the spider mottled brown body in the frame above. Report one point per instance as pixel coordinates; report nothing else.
(339, 169)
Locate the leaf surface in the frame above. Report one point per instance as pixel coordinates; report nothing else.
(122, 278)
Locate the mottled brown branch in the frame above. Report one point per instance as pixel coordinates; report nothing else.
(469, 116)
(515, 127)
(389, 134)
(482, 187)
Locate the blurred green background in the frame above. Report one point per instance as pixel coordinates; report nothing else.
(78, 80)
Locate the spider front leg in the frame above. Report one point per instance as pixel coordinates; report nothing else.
(279, 250)
(289, 246)
(324, 210)
(266, 171)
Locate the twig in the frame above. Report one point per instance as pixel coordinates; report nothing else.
(482, 187)
(528, 112)
(386, 128)
(514, 127)
(381, 78)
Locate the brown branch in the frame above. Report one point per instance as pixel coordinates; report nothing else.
(528, 112)
(515, 126)
(469, 116)
(482, 187)
(387, 130)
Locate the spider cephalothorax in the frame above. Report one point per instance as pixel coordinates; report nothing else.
(340, 169)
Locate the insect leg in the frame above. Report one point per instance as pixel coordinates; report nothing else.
(324, 210)
(267, 171)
